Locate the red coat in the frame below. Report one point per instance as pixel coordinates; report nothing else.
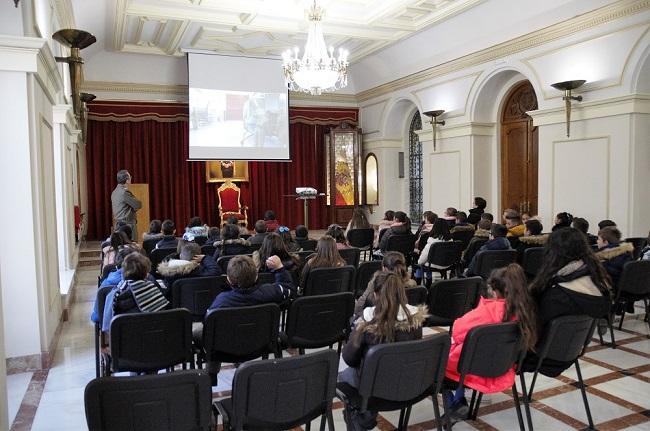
(488, 311)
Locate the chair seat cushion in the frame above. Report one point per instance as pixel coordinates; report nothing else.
(234, 214)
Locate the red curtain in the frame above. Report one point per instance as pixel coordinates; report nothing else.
(151, 141)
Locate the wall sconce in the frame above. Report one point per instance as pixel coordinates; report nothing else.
(567, 86)
(85, 98)
(433, 115)
(76, 40)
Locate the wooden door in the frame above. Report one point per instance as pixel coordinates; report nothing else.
(519, 142)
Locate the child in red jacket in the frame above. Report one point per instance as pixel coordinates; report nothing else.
(507, 300)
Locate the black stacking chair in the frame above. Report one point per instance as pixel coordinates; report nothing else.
(417, 295)
(106, 269)
(240, 334)
(323, 281)
(201, 240)
(307, 244)
(634, 285)
(101, 302)
(394, 376)
(404, 244)
(445, 254)
(149, 244)
(304, 255)
(351, 256)
(450, 299)
(148, 342)
(464, 236)
(265, 278)
(565, 340)
(365, 272)
(490, 351)
(639, 243)
(493, 259)
(208, 249)
(281, 394)
(164, 402)
(318, 321)
(223, 261)
(532, 261)
(361, 239)
(254, 247)
(158, 255)
(197, 293)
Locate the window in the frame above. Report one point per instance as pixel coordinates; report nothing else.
(415, 169)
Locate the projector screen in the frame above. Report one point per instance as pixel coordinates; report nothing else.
(239, 108)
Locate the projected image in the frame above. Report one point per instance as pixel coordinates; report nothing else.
(238, 119)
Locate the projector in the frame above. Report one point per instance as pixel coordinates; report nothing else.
(306, 192)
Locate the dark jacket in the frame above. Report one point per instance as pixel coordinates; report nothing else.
(392, 231)
(522, 243)
(614, 258)
(499, 243)
(168, 241)
(277, 292)
(258, 238)
(175, 269)
(231, 247)
(481, 236)
(361, 340)
(570, 292)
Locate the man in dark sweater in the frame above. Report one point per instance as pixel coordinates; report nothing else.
(497, 241)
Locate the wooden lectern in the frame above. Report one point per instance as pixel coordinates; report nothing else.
(141, 193)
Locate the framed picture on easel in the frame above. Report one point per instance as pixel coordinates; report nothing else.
(219, 171)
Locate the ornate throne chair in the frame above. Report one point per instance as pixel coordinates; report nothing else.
(230, 203)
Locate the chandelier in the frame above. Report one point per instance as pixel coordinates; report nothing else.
(318, 70)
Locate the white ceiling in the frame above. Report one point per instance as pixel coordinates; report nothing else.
(256, 27)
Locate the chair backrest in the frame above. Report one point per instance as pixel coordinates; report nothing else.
(319, 321)
(223, 261)
(304, 255)
(107, 269)
(639, 243)
(445, 254)
(493, 259)
(464, 236)
(635, 278)
(142, 342)
(307, 244)
(283, 393)
(532, 260)
(417, 295)
(265, 277)
(489, 350)
(365, 273)
(361, 238)
(451, 299)
(323, 281)
(565, 338)
(404, 371)
(351, 256)
(177, 401)
(149, 244)
(228, 195)
(156, 256)
(208, 249)
(102, 292)
(402, 243)
(197, 293)
(240, 334)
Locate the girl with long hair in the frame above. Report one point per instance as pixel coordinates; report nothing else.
(393, 262)
(273, 245)
(507, 300)
(289, 242)
(326, 256)
(439, 232)
(118, 240)
(337, 232)
(391, 320)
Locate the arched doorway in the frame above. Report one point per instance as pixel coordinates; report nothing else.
(519, 150)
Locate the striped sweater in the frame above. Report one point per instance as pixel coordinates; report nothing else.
(147, 295)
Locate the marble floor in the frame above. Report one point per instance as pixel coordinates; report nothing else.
(618, 380)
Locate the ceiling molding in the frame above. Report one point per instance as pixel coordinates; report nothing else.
(64, 13)
(171, 91)
(327, 97)
(543, 36)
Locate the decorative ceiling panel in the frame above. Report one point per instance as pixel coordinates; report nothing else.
(268, 27)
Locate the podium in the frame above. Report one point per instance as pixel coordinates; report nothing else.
(305, 194)
(141, 193)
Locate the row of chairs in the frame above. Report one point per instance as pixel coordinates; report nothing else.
(285, 393)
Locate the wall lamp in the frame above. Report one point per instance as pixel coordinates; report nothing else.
(85, 99)
(567, 86)
(433, 120)
(75, 40)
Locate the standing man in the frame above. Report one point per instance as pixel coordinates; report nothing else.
(124, 203)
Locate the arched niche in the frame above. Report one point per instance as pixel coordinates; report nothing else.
(371, 180)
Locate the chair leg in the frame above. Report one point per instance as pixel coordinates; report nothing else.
(610, 322)
(330, 420)
(447, 411)
(338, 348)
(323, 419)
(527, 399)
(529, 395)
(471, 404)
(436, 411)
(620, 324)
(308, 426)
(405, 425)
(478, 404)
(97, 352)
(401, 420)
(584, 395)
(515, 395)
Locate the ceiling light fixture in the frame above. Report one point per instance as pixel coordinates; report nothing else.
(318, 70)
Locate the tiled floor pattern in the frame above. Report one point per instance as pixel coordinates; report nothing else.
(618, 385)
